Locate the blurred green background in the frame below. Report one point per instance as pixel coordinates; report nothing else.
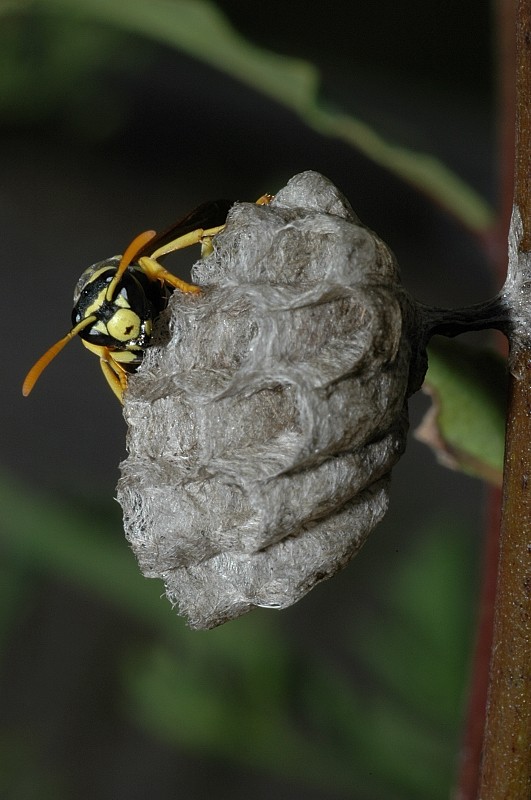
(359, 690)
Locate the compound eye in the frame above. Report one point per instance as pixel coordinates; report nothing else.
(124, 325)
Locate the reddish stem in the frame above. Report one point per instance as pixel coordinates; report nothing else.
(496, 248)
(472, 745)
(506, 768)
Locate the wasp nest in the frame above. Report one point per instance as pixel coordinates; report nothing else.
(263, 432)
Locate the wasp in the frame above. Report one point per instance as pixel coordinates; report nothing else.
(116, 301)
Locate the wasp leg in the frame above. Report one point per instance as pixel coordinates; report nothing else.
(115, 377)
(206, 246)
(115, 374)
(194, 237)
(156, 271)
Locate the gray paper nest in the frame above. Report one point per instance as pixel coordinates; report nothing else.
(262, 433)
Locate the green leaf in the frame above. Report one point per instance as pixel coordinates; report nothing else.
(201, 30)
(421, 656)
(25, 769)
(40, 533)
(52, 67)
(466, 424)
(245, 693)
(415, 646)
(206, 708)
(265, 704)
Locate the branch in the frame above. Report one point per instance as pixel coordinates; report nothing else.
(506, 769)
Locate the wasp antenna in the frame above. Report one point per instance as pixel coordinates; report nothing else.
(40, 365)
(138, 243)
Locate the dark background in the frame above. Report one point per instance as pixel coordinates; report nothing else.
(90, 159)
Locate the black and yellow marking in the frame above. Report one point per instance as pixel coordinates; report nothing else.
(117, 300)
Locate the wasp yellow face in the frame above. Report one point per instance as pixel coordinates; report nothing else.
(123, 322)
(116, 301)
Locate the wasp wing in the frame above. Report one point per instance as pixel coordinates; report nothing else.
(208, 215)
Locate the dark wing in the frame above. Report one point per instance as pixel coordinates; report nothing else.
(208, 215)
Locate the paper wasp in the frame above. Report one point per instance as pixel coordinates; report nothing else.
(117, 300)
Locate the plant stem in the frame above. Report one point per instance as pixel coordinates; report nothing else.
(467, 784)
(506, 768)
(493, 313)
(472, 743)
(506, 773)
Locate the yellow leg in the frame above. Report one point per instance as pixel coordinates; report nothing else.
(115, 377)
(156, 271)
(194, 237)
(206, 246)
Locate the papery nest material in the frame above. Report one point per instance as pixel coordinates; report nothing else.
(262, 433)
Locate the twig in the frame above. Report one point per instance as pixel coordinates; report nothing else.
(506, 769)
